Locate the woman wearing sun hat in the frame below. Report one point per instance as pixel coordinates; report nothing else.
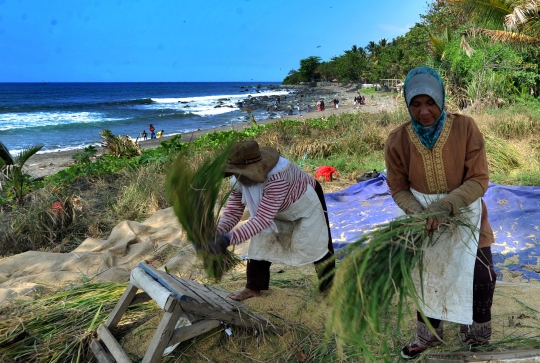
(288, 223)
(437, 163)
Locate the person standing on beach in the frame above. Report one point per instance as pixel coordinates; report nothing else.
(319, 105)
(289, 222)
(298, 107)
(144, 134)
(152, 130)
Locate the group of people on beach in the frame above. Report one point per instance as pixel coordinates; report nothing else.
(436, 168)
(153, 134)
(359, 99)
(320, 105)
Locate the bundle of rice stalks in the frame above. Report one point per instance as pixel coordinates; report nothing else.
(59, 328)
(194, 191)
(377, 269)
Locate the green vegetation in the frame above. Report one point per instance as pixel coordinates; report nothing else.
(486, 51)
(85, 156)
(118, 145)
(14, 182)
(96, 195)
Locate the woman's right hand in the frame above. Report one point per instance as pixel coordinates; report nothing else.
(431, 225)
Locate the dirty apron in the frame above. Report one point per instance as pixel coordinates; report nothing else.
(301, 236)
(448, 269)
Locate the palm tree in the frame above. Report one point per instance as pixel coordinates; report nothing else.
(514, 21)
(12, 174)
(371, 47)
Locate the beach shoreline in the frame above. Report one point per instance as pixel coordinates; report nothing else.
(43, 164)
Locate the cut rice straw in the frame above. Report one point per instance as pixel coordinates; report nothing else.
(377, 269)
(60, 327)
(194, 193)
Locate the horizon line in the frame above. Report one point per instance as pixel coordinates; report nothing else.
(251, 81)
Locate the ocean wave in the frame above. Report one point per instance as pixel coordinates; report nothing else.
(11, 121)
(208, 105)
(214, 98)
(34, 108)
(140, 101)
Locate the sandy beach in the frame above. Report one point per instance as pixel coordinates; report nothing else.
(44, 164)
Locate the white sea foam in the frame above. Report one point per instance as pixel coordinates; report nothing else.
(214, 98)
(10, 121)
(206, 105)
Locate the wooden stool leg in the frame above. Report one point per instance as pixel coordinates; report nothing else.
(121, 306)
(163, 335)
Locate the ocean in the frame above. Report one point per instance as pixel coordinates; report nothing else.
(64, 116)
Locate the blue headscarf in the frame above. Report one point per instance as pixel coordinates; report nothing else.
(425, 80)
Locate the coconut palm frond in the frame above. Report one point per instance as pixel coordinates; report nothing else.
(502, 36)
(5, 155)
(437, 46)
(510, 37)
(521, 15)
(532, 27)
(490, 11)
(26, 154)
(466, 47)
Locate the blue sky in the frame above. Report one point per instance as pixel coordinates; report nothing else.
(179, 40)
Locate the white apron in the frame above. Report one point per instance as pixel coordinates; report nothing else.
(449, 266)
(301, 236)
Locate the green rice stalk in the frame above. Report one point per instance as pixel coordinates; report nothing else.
(372, 283)
(194, 193)
(60, 327)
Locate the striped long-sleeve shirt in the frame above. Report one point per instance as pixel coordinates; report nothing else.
(280, 191)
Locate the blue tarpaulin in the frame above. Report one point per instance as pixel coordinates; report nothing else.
(514, 215)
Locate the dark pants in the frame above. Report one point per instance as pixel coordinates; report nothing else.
(483, 289)
(258, 272)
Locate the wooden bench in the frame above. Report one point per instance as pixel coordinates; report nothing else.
(206, 307)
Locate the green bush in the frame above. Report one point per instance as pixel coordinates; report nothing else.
(85, 156)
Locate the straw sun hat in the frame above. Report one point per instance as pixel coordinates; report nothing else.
(250, 161)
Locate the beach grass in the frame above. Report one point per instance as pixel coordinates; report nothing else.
(112, 189)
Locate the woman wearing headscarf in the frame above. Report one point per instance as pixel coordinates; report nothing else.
(288, 224)
(437, 163)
